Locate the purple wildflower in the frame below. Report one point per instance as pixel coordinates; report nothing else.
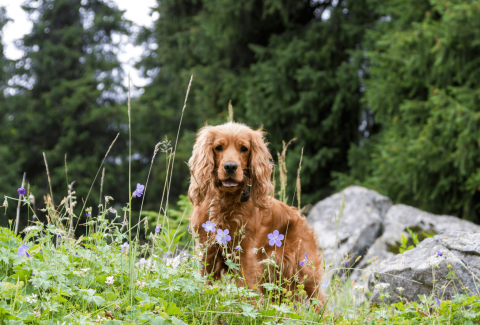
(439, 254)
(222, 236)
(438, 302)
(157, 230)
(275, 238)
(346, 263)
(343, 277)
(209, 226)
(237, 248)
(325, 284)
(304, 261)
(23, 250)
(89, 214)
(21, 191)
(139, 191)
(124, 247)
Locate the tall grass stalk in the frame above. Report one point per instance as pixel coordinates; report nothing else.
(101, 185)
(131, 250)
(299, 184)
(164, 188)
(230, 112)
(48, 176)
(155, 151)
(176, 140)
(96, 175)
(282, 168)
(17, 220)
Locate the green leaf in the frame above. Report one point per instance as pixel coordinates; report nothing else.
(177, 321)
(171, 308)
(271, 286)
(60, 299)
(141, 296)
(101, 278)
(97, 300)
(295, 316)
(427, 235)
(14, 322)
(111, 296)
(159, 320)
(404, 240)
(249, 311)
(21, 274)
(282, 309)
(113, 322)
(270, 312)
(232, 265)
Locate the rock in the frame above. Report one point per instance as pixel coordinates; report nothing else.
(353, 231)
(425, 269)
(398, 218)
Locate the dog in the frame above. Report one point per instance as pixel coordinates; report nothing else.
(232, 194)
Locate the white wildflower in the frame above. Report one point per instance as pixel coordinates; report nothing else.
(382, 286)
(32, 299)
(145, 263)
(84, 270)
(400, 289)
(359, 288)
(268, 261)
(110, 280)
(140, 284)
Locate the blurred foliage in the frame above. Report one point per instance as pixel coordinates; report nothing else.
(63, 100)
(424, 89)
(279, 62)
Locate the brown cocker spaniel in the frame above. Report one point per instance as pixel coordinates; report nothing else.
(231, 189)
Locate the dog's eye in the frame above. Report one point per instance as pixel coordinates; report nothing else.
(243, 149)
(218, 148)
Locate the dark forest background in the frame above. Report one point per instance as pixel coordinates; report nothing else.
(383, 94)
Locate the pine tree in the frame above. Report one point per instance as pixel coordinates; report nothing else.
(67, 85)
(280, 64)
(9, 175)
(424, 90)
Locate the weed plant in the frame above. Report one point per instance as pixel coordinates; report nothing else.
(110, 276)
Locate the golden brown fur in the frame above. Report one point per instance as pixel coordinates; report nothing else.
(220, 203)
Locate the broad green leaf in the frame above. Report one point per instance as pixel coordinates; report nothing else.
(111, 296)
(159, 320)
(176, 321)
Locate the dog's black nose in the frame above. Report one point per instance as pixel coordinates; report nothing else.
(230, 167)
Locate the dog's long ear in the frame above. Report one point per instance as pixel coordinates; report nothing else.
(261, 169)
(201, 166)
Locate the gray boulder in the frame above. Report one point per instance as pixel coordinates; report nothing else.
(353, 231)
(443, 265)
(398, 218)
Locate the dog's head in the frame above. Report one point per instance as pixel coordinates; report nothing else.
(228, 158)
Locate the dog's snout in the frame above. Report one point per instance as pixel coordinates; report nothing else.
(230, 167)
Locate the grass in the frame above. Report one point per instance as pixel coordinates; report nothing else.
(108, 276)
